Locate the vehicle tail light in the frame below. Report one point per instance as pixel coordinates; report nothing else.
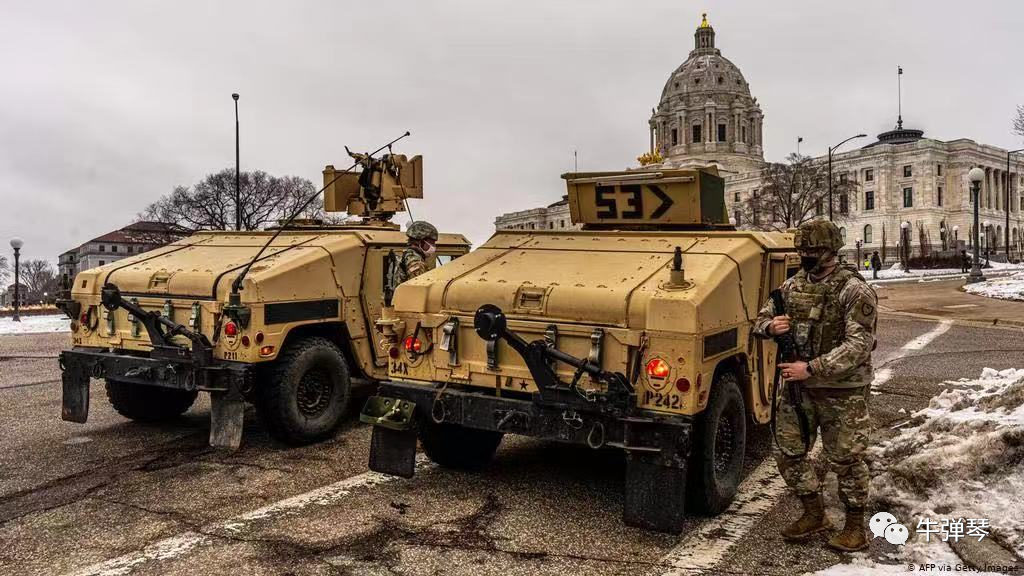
(683, 385)
(657, 368)
(259, 337)
(245, 340)
(393, 352)
(267, 351)
(84, 318)
(231, 329)
(413, 344)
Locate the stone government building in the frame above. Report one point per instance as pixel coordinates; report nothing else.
(707, 115)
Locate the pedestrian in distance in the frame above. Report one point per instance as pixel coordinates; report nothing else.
(965, 262)
(876, 265)
(827, 321)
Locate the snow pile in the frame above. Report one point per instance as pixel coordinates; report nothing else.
(35, 324)
(896, 271)
(1007, 288)
(962, 457)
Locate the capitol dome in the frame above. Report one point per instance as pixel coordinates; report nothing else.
(706, 113)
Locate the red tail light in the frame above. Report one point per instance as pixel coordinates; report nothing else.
(657, 368)
(84, 319)
(231, 329)
(683, 385)
(245, 340)
(412, 344)
(393, 352)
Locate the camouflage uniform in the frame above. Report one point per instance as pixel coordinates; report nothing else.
(414, 261)
(833, 323)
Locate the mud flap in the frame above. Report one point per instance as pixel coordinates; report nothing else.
(655, 494)
(227, 416)
(393, 451)
(75, 404)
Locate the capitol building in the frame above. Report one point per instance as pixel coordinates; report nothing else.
(707, 115)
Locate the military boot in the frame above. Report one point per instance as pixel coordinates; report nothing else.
(851, 538)
(813, 520)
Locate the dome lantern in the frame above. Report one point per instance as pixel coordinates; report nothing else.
(704, 37)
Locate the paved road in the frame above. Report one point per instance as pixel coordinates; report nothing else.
(114, 497)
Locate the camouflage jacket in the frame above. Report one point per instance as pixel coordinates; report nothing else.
(411, 263)
(833, 323)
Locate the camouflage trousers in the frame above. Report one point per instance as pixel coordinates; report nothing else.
(842, 417)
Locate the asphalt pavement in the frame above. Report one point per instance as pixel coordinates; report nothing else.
(113, 497)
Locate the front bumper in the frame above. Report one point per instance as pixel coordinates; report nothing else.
(227, 383)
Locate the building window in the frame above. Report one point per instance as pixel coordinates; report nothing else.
(113, 248)
(938, 196)
(867, 234)
(675, 137)
(103, 248)
(721, 132)
(755, 217)
(735, 196)
(737, 219)
(561, 223)
(844, 204)
(869, 200)
(696, 133)
(551, 225)
(842, 178)
(818, 207)
(907, 171)
(745, 135)
(869, 175)
(938, 169)
(102, 262)
(908, 197)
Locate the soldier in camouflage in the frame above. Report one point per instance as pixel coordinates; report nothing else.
(830, 311)
(416, 258)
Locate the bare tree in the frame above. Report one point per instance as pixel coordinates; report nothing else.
(38, 277)
(210, 204)
(1018, 122)
(5, 271)
(794, 192)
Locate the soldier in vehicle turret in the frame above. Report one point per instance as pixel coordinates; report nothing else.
(831, 313)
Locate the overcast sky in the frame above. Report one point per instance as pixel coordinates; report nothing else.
(105, 106)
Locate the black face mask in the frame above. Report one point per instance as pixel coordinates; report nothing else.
(809, 263)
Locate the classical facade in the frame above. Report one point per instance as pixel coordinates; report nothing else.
(706, 114)
(128, 241)
(902, 181)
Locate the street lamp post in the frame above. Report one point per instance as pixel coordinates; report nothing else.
(830, 151)
(1009, 185)
(987, 242)
(905, 240)
(976, 175)
(238, 179)
(858, 254)
(17, 243)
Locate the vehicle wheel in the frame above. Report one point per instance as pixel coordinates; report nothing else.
(306, 393)
(720, 439)
(454, 446)
(148, 403)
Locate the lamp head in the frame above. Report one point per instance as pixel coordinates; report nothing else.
(17, 243)
(905, 225)
(234, 97)
(976, 175)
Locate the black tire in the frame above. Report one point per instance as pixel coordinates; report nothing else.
(454, 446)
(148, 403)
(305, 395)
(720, 438)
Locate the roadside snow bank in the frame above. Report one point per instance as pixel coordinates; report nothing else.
(1007, 288)
(35, 324)
(960, 457)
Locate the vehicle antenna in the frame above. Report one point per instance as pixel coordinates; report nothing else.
(236, 286)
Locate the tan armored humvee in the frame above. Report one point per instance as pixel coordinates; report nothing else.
(633, 333)
(282, 318)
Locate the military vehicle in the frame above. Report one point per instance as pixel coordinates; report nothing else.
(633, 333)
(281, 318)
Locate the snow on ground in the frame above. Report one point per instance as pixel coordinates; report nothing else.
(1006, 288)
(960, 457)
(896, 272)
(35, 324)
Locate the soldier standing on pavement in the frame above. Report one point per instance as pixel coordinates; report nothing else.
(416, 258)
(876, 265)
(830, 311)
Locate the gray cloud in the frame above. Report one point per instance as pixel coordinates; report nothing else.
(107, 105)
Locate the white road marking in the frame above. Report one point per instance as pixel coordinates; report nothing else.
(186, 542)
(704, 549)
(961, 306)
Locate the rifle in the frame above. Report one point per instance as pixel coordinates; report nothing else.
(786, 351)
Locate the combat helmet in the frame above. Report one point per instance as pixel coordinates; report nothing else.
(818, 234)
(421, 230)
